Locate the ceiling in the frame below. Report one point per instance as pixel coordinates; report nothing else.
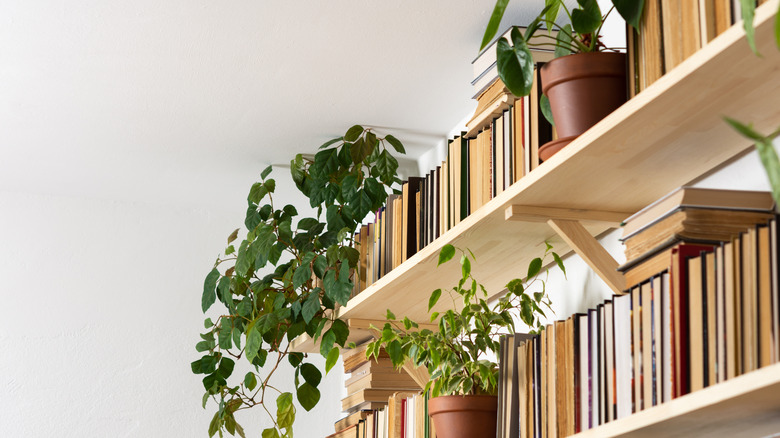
(187, 101)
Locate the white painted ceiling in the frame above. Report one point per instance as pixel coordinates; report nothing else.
(174, 101)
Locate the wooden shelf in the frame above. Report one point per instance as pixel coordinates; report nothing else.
(747, 405)
(669, 135)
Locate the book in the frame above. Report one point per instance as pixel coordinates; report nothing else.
(712, 199)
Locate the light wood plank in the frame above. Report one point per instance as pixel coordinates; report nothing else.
(745, 406)
(528, 213)
(591, 251)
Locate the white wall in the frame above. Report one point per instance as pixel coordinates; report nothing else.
(100, 314)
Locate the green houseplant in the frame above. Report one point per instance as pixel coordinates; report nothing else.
(285, 278)
(460, 355)
(584, 83)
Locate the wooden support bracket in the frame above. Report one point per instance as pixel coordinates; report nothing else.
(566, 222)
(526, 213)
(580, 240)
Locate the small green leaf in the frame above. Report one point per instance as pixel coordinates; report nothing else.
(302, 275)
(353, 133)
(768, 156)
(394, 350)
(494, 22)
(226, 334)
(257, 193)
(588, 18)
(202, 346)
(308, 396)
(745, 130)
(559, 262)
(465, 265)
(253, 342)
(333, 357)
(630, 10)
(326, 343)
(544, 105)
(214, 425)
(311, 374)
(534, 267)
(330, 142)
(209, 290)
(270, 433)
(515, 64)
(226, 366)
(748, 13)
(446, 254)
(395, 144)
(390, 316)
(434, 315)
(233, 236)
(250, 381)
(434, 298)
(310, 307)
(205, 399)
(266, 172)
(340, 329)
(285, 412)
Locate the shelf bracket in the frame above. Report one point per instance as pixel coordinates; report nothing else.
(591, 251)
(526, 213)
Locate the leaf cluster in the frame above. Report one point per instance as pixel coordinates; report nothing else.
(460, 354)
(582, 34)
(287, 276)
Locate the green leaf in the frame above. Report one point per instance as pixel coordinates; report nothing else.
(494, 22)
(353, 134)
(311, 374)
(465, 266)
(340, 329)
(534, 267)
(748, 13)
(253, 342)
(205, 399)
(225, 334)
(243, 263)
(310, 307)
(301, 276)
(333, 357)
(563, 42)
(209, 290)
(266, 172)
(202, 346)
(270, 433)
(434, 299)
(515, 64)
(394, 350)
(214, 425)
(224, 290)
(326, 343)
(446, 254)
(553, 7)
(250, 381)
(390, 316)
(349, 186)
(285, 412)
(745, 130)
(233, 236)
(226, 366)
(515, 286)
(559, 262)
(308, 396)
(630, 10)
(771, 164)
(395, 144)
(588, 18)
(257, 193)
(330, 142)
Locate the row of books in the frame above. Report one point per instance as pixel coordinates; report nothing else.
(477, 169)
(371, 382)
(671, 31)
(404, 416)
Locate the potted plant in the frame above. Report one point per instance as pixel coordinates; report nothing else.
(461, 355)
(285, 278)
(584, 83)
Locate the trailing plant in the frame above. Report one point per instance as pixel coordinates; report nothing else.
(285, 278)
(582, 35)
(460, 355)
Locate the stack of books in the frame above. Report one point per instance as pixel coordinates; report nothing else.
(405, 416)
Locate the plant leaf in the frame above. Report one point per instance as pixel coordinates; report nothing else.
(559, 262)
(434, 299)
(748, 13)
(587, 18)
(333, 357)
(311, 374)
(745, 130)
(630, 10)
(494, 22)
(266, 172)
(534, 267)
(544, 104)
(308, 396)
(563, 42)
(551, 13)
(330, 142)
(250, 381)
(395, 144)
(771, 164)
(353, 133)
(446, 254)
(209, 290)
(515, 64)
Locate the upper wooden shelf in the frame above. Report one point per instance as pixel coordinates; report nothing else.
(747, 405)
(668, 135)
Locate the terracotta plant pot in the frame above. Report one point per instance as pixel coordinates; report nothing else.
(583, 89)
(470, 416)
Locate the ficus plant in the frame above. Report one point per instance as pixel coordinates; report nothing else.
(460, 355)
(581, 34)
(285, 277)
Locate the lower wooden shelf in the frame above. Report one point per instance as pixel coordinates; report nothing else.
(745, 406)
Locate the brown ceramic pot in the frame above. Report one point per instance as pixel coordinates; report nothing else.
(470, 416)
(583, 89)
